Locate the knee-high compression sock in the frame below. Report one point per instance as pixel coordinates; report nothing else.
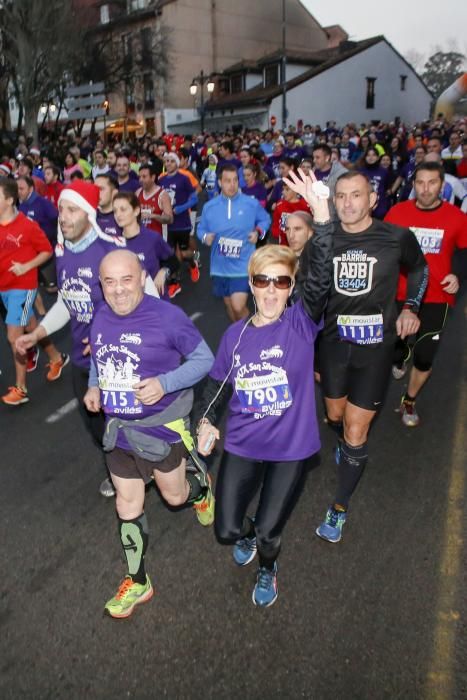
(134, 538)
(351, 463)
(196, 490)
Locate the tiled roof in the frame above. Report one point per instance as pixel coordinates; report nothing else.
(323, 60)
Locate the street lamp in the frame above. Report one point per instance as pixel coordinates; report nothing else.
(202, 80)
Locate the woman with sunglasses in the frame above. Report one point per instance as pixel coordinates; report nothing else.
(264, 367)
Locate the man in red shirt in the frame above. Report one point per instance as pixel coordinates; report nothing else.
(54, 186)
(156, 207)
(288, 203)
(440, 228)
(23, 248)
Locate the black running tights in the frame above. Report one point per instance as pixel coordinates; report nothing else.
(237, 484)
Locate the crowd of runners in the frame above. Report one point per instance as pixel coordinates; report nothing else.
(334, 252)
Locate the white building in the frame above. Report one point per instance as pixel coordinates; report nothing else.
(358, 82)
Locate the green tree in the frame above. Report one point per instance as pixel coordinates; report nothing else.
(442, 69)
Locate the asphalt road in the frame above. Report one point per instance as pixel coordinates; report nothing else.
(380, 615)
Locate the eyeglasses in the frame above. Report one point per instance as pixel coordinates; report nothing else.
(263, 281)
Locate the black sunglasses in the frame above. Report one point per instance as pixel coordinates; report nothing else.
(280, 282)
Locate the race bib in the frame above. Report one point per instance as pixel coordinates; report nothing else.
(230, 247)
(266, 395)
(116, 381)
(361, 330)
(79, 304)
(429, 239)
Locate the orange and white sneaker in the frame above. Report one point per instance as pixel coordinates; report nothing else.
(194, 268)
(173, 290)
(16, 396)
(55, 368)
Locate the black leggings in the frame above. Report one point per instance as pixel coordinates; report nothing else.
(237, 484)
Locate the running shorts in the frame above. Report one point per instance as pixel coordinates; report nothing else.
(19, 305)
(128, 465)
(358, 372)
(179, 238)
(226, 286)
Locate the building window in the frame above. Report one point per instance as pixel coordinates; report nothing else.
(146, 47)
(148, 92)
(236, 83)
(403, 82)
(129, 99)
(370, 93)
(135, 5)
(271, 75)
(127, 42)
(105, 15)
(224, 86)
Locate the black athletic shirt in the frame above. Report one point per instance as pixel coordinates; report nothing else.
(361, 307)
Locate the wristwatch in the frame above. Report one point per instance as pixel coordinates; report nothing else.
(409, 306)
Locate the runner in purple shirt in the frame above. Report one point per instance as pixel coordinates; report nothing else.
(182, 197)
(264, 367)
(126, 182)
(80, 248)
(108, 188)
(138, 344)
(252, 187)
(379, 179)
(156, 256)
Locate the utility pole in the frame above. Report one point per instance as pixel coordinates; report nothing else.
(284, 66)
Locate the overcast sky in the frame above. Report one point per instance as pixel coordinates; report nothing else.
(407, 25)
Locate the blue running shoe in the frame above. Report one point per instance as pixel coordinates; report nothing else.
(265, 591)
(331, 529)
(244, 550)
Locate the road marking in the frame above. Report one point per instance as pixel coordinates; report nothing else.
(196, 315)
(62, 411)
(440, 680)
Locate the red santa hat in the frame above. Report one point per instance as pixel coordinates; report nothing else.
(5, 169)
(84, 195)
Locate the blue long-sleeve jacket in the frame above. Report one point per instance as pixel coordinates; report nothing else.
(232, 219)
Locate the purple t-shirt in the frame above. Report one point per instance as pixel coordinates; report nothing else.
(150, 341)
(179, 189)
(107, 223)
(272, 413)
(43, 212)
(322, 175)
(131, 185)
(150, 248)
(258, 191)
(78, 282)
(272, 166)
(379, 178)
